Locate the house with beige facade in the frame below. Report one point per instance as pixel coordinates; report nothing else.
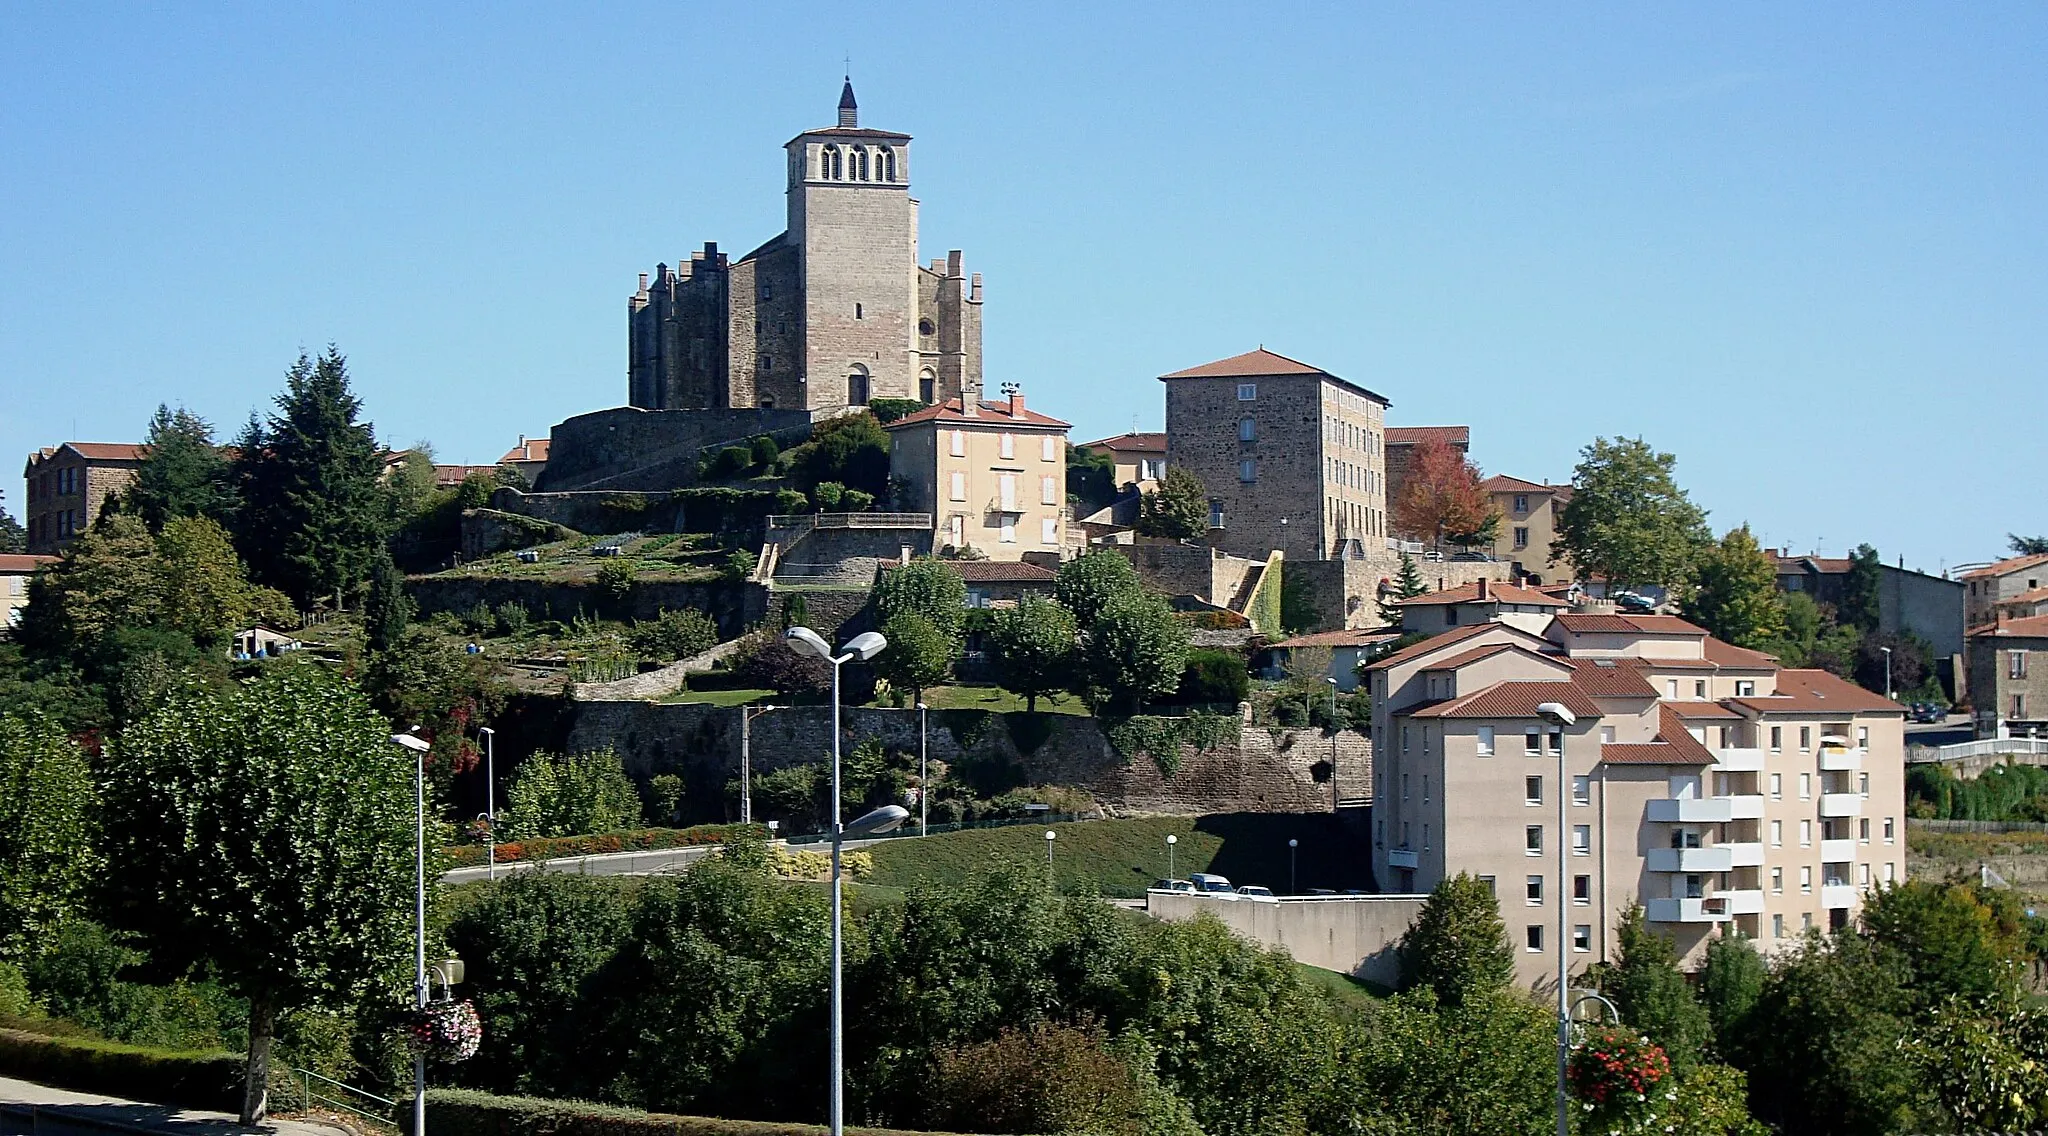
(1529, 516)
(2008, 660)
(1481, 601)
(1138, 460)
(69, 484)
(991, 475)
(16, 571)
(1987, 587)
(1721, 791)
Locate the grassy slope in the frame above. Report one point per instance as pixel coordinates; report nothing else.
(1120, 858)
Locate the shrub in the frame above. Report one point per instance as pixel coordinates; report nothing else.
(829, 495)
(664, 798)
(512, 618)
(739, 565)
(1045, 1078)
(765, 451)
(887, 410)
(461, 1112)
(190, 1079)
(615, 579)
(790, 501)
(1213, 676)
(562, 796)
(731, 461)
(857, 501)
(632, 840)
(674, 635)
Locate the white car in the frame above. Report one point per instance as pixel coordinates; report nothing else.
(1257, 894)
(1213, 886)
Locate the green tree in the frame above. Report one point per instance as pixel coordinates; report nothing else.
(109, 578)
(1406, 585)
(1803, 622)
(925, 587)
(1732, 978)
(1033, 644)
(1178, 509)
(1046, 1077)
(919, 655)
(673, 635)
(1952, 941)
(2027, 545)
(1419, 1066)
(13, 537)
(314, 509)
(1086, 584)
(1628, 522)
(1986, 1063)
(1458, 947)
(1735, 592)
(1135, 650)
(224, 807)
(207, 596)
(430, 680)
(182, 473)
(387, 610)
(569, 796)
(1091, 479)
(1652, 995)
(1859, 608)
(48, 806)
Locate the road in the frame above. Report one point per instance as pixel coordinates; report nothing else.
(29, 1109)
(1950, 730)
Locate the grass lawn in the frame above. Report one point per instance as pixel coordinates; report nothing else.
(720, 697)
(998, 700)
(1348, 991)
(1121, 858)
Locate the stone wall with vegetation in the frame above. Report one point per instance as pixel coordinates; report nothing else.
(736, 606)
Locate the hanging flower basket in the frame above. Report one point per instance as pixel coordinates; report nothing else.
(447, 1031)
(1615, 1071)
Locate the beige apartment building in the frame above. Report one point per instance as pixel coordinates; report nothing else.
(993, 475)
(1984, 589)
(1529, 515)
(68, 485)
(15, 573)
(1138, 459)
(1722, 792)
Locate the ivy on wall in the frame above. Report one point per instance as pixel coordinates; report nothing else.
(1163, 738)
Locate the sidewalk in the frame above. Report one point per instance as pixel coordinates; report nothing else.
(28, 1109)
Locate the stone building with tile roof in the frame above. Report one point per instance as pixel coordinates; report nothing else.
(69, 484)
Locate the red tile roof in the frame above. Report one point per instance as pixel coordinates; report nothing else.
(1502, 483)
(1612, 678)
(2038, 595)
(1580, 623)
(528, 450)
(1459, 437)
(1490, 650)
(1496, 592)
(1826, 566)
(1001, 571)
(449, 475)
(1130, 443)
(1694, 711)
(1727, 654)
(2025, 627)
(12, 562)
(1433, 644)
(108, 451)
(1513, 700)
(1675, 745)
(2009, 564)
(992, 414)
(1251, 364)
(1350, 637)
(1813, 691)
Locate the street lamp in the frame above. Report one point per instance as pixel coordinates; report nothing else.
(1887, 671)
(418, 747)
(491, 795)
(1050, 836)
(1291, 845)
(861, 648)
(1558, 714)
(1171, 840)
(924, 788)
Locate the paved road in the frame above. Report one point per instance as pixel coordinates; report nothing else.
(652, 863)
(28, 1109)
(1955, 728)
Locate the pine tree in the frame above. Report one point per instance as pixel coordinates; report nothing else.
(1653, 996)
(183, 473)
(1859, 607)
(13, 538)
(1458, 945)
(1407, 585)
(388, 609)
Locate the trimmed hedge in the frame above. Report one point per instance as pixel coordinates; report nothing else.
(189, 1079)
(463, 1112)
(636, 840)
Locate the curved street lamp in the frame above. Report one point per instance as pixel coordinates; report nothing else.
(418, 747)
(1558, 714)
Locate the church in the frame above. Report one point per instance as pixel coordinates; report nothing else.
(832, 312)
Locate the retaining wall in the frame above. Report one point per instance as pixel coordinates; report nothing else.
(1355, 935)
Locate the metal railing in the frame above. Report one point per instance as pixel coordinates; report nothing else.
(850, 520)
(1984, 747)
(1934, 825)
(326, 1092)
(910, 828)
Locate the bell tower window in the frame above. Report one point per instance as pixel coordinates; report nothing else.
(888, 164)
(828, 164)
(860, 164)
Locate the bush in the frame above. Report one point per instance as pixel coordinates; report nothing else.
(615, 579)
(857, 501)
(1047, 1077)
(189, 1079)
(740, 565)
(564, 796)
(829, 494)
(597, 844)
(512, 618)
(887, 410)
(674, 635)
(731, 461)
(461, 1112)
(1213, 676)
(791, 501)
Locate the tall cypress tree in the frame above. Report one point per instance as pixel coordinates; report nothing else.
(314, 512)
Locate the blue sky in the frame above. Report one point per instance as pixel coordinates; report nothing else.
(1803, 249)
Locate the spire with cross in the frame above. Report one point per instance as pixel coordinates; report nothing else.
(849, 111)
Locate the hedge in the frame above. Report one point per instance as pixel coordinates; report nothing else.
(188, 1079)
(637, 840)
(464, 1112)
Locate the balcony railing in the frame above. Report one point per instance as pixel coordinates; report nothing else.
(1738, 759)
(1715, 859)
(1706, 910)
(1742, 901)
(1837, 851)
(1837, 759)
(1688, 810)
(1839, 805)
(1838, 895)
(1745, 854)
(1745, 806)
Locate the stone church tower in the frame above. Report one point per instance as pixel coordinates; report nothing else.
(833, 312)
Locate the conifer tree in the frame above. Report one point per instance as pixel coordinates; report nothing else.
(1407, 585)
(183, 473)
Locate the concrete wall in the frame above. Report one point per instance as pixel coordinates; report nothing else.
(1355, 935)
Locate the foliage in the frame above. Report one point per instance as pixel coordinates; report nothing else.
(1032, 645)
(48, 808)
(1134, 650)
(387, 610)
(1086, 584)
(1164, 737)
(2026, 545)
(1486, 1065)
(1732, 978)
(1909, 666)
(789, 501)
(926, 587)
(314, 509)
(1802, 622)
(465, 1112)
(763, 660)
(430, 680)
(222, 805)
(13, 537)
(1178, 509)
(851, 449)
(1628, 522)
(1457, 948)
(1213, 676)
(569, 795)
(1616, 1071)
(1441, 499)
(1407, 584)
(1735, 592)
(80, 974)
(109, 578)
(887, 410)
(615, 580)
(739, 565)
(1046, 1077)
(182, 473)
(673, 635)
(597, 844)
(1646, 986)
(919, 655)
(189, 1079)
(828, 495)
(1953, 938)
(1985, 1062)
(2002, 793)
(1091, 479)
(1859, 607)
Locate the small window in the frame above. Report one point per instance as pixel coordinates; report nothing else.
(1215, 513)
(1777, 786)
(1522, 506)
(1535, 891)
(1777, 881)
(767, 363)
(1863, 737)
(1487, 883)
(1048, 531)
(859, 312)
(925, 327)
(1863, 787)
(1532, 840)
(1746, 688)
(1806, 880)
(1582, 938)
(1582, 840)
(1582, 890)
(1246, 392)
(1777, 739)
(1006, 447)
(1535, 938)
(1582, 790)
(1048, 491)
(1805, 739)
(1777, 834)
(1485, 741)
(1009, 531)
(1887, 830)
(1671, 689)
(1777, 926)
(958, 486)
(1048, 448)
(1248, 470)
(1806, 786)
(1532, 790)
(1806, 834)
(1521, 536)
(1699, 689)
(959, 447)
(1863, 830)
(1532, 741)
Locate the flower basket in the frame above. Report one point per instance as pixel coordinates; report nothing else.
(1613, 1071)
(447, 1031)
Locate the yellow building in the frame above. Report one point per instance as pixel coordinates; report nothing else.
(993, 475)
(1529, 513)
(1139, 459)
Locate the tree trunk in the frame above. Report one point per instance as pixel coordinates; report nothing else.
(256, 1089)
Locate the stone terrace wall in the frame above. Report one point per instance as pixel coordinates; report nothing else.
(1262, 771)
(612, 446)
(1345, 593)
(735, 606)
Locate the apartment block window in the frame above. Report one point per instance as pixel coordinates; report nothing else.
(1535, 938)
(1246, 392)
(1483, 741)
(1777, 881)
(1777, 926)
(1777, 834)
(1745, 688)
(1607, 735)
(1248, 470)
(1582, 938)
(1887, 830)
(1671, 689)
(1582, 890)
(1806, 834)
(959, 448)
(1532, 741)
(1777, 738)
(1521, 503)
(2015, 664)
(1048, 491)
(1521, 536)
(1806, 786)
(1890, 872)
(1048, 448)
(1006, 446)
(1582, 840)
(1582, 790)
(1806, 880)
(1247, 430)
(1863, 875)
(1487, 883)
(1048, 531)
(1806, 920)
(1805, 738)
(1009, 531)
(1863, 737)
(1532, 790)
(1863, 786)
(1535, 887)
(1863, 831)
(1554, 740)
(2019, 706)
(1532, 839)
(957, 486)
(1777, 786)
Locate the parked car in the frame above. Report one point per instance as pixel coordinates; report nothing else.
(1173, 885)
(1257, 894)
(1212, 885)
(1634, 603)
(1927, 712)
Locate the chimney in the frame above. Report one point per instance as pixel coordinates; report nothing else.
(1016, 402)
(1484, 591)
(643, 282)
(970, 404)
(953, 263)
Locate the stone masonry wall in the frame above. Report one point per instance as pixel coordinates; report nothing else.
(605, 445)
(735, 606)
(1345, 593)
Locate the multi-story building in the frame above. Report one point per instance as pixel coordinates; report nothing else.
(15, 572)
(68, 485)
(1908, 602)
(1987, 587)
(1481, 601)
(1529, 515)
(1293, 457)
(832, 312)
(2009, 675)
(1401, 442)
(1139, 460)
(529, 458)
(993, 475)
(1702, 780)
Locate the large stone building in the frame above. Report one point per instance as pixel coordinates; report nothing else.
(2009, 675)
(1292, 456)
(1908, 602)
(832, 312)
(1702, 780)
(992, 476)
(1987, 587)
(68, 485)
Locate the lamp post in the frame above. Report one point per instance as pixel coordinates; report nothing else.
(1559, 715)
(491, 796)
(418, 748)
(924, 812)
(1291, 845)
(1050, 837)
(861, 647)
(1887, 671)
(1171, 840)
(747, 716)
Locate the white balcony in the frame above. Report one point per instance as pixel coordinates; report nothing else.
(1837, 851)
(1746, 806)
(1838, 895)
(1835, 759)
(1738, 759)
(1401, 858)
(1838, 805)
(1713, 910)
(1716, 859)
(1741, 854)
(1666, 810)
(1743, 901)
